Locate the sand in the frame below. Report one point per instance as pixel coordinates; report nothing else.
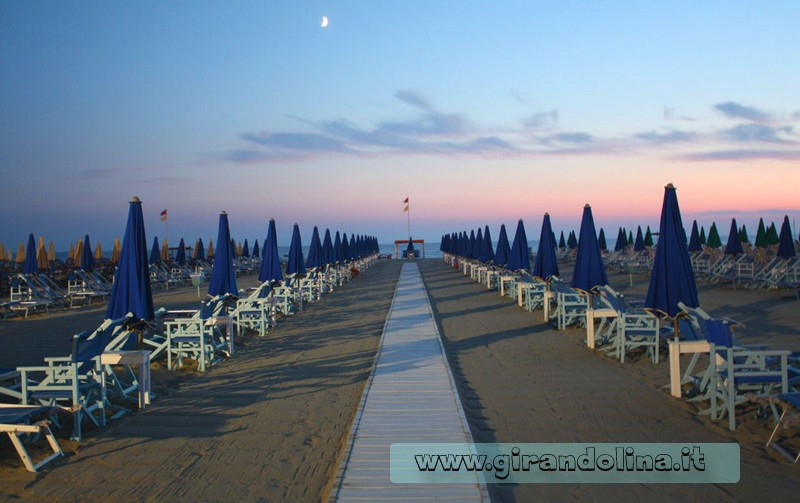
(266, 425)
(523, 381)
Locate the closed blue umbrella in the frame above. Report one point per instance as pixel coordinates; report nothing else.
(734, 246)
(223, 275)
(271, 263)
(694, 239)
(200, 253)
(572, 240)
(601, 240)
(296, 264)
(562, 243)
(353, 247)
(30, 266)
(503, 249)
(256, 251)
(545, 265)
(87, 258)
(786, 244)
(590, 272)
(487, 254)
(477, 245)
(180, 255)
(132, 292)
(672, 277)
(314, 259)
(246, 249)
(410, 251)
(328, 253)
(519, 258)
(620, 244)
(345, 255)
(155, 252)
(337, 248)
(638, 244)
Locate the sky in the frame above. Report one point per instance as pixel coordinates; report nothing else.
(480, 113)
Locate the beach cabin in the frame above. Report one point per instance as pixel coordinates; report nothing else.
(409, 252)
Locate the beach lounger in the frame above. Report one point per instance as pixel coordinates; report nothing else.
(256, 312)
(571, 304)
(19, 420)
(10, 383)
(24, 299)
(201, 336)
(789, 418)
(630, 328)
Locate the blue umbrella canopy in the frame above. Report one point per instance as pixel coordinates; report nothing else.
(410, 247)
(761, 235)
(786, 243)
(694, 239)
(638, 244)
(503, 249)
(337, 248)
(296, 264)
(245, 249)
(223, 275)
(353, 247)
(734, 246)
(30, 266)
(590, 272)
(601, 240)
(271, 263)
(672, 277)
(545, 265)
(180, 255)
(572, 240)
(256, 251)
(620, 244)
(155, 252)
(471, 245)
(345, 255)
(562, 243)
(314, 259)
(328, 253)
(131, 292)
(477, 245)
(487, 254)
(200, 253)
(519, 259)
(87, 258)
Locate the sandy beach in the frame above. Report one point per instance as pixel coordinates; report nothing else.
(267, 425)
(271, 423)
(523, 381)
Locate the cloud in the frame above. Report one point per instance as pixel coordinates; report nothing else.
(742, 155)
(669, 114)
(297, 141)
(577, 137)
(735, 110)
(541, 119)
(758, 133)
(670, 137)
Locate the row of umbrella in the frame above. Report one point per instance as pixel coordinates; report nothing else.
(765, 237)
(671, 280)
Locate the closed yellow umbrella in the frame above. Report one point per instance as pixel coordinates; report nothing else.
(9, 255)
(76, 259)
(71, 254)
(41, 255)
(194, 250)
(165, 251)
(21, 254)
(2, 252)
(239, 249)
(210, 251)
(51, 252)
(115, 251)
(98, 251)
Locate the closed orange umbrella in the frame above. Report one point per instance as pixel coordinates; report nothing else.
(21, 254)
(71, 253)
(76, 259)
(210, 251)
(41, 255)
(165, 252)
(98, 251)
(115, 251)
(2, 252)
(51, 252)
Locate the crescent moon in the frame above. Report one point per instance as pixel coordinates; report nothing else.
(324, 21)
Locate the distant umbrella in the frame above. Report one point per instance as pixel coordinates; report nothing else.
(503, 249)
(410, 251)
(630, 237)
(180, 255)
(30, 266)
(703, 240)
(210, 251)
(42, 261)
(223, 275)
(131, 292)
(786, 243)
(694, 240)
(601, 240)
(620, 243)
(562, 243)
(155, 252)
(672, 279)
(772, 235)
(638, 244)
(345, 255)
(78, 252)
(761, 235)
(734, 246)
(51, 252)
(116, 251)
(589, 272)
(21, 254)
(87, 259)
(519, 259)
(353, 247)
(199, 250)
(314, 259)
(545, 265)
(165, 251)
(572, 240)
(337, 248)
(98, 251)
(245, 249)
(2, 252)
(296, 265)
(743, 234)
(328, 254)
(648, 237)
(271, 263)
(71, 253)
(713, 237)
(256, 251)
(487, 253)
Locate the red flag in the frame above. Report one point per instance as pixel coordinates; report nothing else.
(406, 201)
(164, 215)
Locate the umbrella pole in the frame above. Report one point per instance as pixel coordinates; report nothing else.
(675, 328)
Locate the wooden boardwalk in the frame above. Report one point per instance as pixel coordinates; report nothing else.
(410, 397)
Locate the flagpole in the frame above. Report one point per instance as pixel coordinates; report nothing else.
(409, 221)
